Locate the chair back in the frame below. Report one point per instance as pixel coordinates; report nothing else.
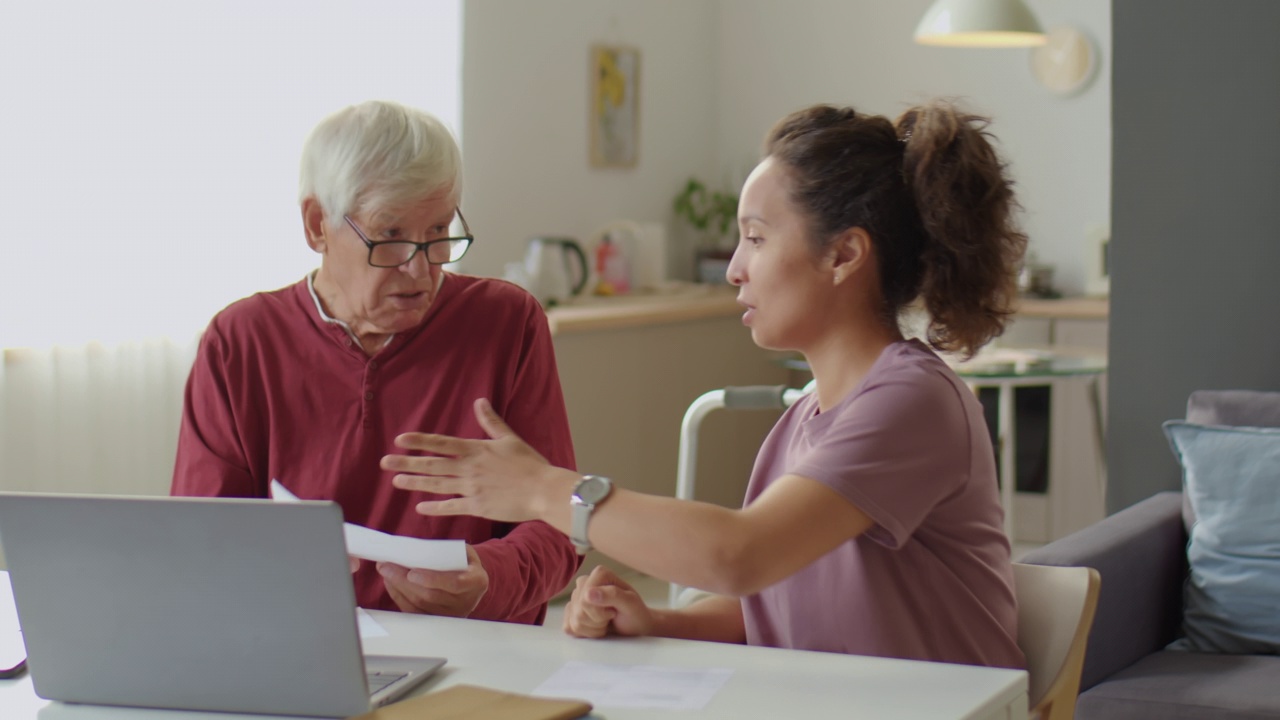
(1055, 612)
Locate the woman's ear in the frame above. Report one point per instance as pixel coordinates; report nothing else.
(313, 225)
(850, 254)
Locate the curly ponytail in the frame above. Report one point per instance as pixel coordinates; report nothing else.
(932, 194)
(966, 203)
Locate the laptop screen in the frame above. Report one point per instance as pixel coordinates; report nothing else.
(193, 603)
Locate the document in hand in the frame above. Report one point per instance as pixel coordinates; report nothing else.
(368, 544)
(470, 701)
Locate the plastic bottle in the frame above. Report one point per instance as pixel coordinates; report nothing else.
(612, 268)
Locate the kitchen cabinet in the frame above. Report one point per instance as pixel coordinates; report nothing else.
(1059, 426)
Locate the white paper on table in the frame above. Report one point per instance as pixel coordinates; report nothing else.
(369, 628)
(635, 686)
(368, 544)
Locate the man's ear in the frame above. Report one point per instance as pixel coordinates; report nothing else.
(314, 226)
(850, 254)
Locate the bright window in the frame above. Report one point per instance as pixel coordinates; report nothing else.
(149, 148)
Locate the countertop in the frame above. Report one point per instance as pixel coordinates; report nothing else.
(679, 303)
(688, 301)
(1074, 308)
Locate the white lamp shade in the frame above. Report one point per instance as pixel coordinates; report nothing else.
(979, 23)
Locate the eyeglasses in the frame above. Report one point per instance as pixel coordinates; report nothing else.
(394, 253)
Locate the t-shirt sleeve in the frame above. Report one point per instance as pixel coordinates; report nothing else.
(896, 451)
(210, 459)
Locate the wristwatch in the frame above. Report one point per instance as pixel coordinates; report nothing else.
(590, 491)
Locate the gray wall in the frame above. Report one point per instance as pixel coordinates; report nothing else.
(1195, 301)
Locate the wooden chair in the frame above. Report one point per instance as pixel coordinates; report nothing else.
(1055, 612)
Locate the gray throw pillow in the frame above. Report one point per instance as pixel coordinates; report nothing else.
(1232, 477)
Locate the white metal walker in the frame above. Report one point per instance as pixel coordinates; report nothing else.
(746, 397)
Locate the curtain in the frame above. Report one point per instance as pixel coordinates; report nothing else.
(92, 418)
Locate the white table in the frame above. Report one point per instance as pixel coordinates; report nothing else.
(766, 683)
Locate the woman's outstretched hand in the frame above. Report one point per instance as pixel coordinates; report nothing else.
(502, 478)
(604, 604)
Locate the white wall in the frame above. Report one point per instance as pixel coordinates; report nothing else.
(716, 74)
(776, 57)
(525, 116)
(149, 149)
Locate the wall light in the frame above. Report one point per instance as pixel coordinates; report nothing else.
(979, 23)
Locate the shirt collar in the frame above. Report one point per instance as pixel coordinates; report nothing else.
(311, 288)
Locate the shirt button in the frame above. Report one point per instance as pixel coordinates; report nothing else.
(348, 342)
(368, 396)
(373, 364)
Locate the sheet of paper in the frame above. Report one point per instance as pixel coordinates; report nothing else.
(635, 686)
(363, 542)
(369, 628)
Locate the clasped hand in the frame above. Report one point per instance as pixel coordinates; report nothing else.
(489, 478)
(604, 604)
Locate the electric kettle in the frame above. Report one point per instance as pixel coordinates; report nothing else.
(555, 269)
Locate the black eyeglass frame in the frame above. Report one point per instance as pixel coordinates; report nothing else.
(419, 247)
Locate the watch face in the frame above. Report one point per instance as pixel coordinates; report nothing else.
(592, 489)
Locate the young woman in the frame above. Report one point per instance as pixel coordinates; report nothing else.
(872, 522)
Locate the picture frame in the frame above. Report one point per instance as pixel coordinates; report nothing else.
(615, 106)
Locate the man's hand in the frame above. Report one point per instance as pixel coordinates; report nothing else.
(436, 592)
(603, 603)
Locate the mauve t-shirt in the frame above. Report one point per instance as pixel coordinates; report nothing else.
(931, 579)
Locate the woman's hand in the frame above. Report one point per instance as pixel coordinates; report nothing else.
(602, 604)
(502, 478)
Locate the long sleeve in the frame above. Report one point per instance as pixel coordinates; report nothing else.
(534, 561)
(210, 459)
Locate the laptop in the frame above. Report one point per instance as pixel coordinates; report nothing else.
(220, 604)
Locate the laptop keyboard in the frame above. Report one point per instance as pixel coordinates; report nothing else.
(380, 680)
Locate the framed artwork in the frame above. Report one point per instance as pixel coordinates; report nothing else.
(615, 105)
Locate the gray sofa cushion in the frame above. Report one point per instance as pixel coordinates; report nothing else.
(1236, 408)
(1174, 685)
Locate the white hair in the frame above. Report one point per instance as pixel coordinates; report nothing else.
(377, 156)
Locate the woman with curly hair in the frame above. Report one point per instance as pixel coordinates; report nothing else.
(872, 522)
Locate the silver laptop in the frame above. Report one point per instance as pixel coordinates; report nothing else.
(193, 604)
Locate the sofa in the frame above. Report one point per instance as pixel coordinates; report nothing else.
(1140, 552)
(1229, 447)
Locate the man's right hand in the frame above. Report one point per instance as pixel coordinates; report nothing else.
(603, 603)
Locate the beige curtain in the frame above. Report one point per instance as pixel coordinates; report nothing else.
(93, 418)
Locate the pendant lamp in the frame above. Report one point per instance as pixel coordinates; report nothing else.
(979, 23)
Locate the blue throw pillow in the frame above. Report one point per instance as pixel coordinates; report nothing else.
(1232, 478)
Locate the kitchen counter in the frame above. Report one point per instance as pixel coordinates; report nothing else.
(680, 303)
(1079, 308)
(687, 301)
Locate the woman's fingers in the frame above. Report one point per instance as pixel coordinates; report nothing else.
(443, 466)
(439, 444)
(493, 425)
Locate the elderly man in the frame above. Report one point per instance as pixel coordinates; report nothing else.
(310, 384)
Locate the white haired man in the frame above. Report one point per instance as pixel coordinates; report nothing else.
(312, 383)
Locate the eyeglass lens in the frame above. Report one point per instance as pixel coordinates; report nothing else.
(392, 254)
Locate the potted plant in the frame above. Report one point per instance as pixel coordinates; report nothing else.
(714, 215)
